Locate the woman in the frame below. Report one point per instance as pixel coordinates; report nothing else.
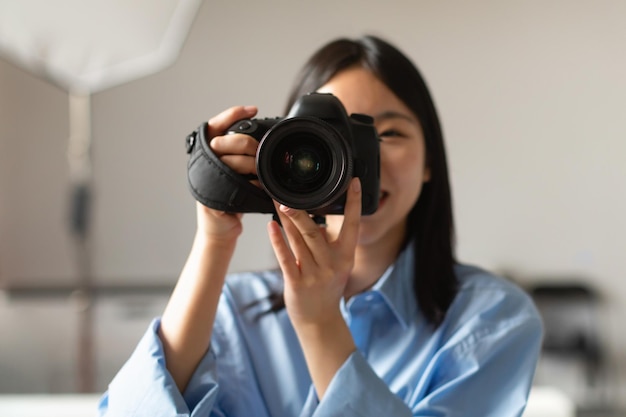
(378, 319)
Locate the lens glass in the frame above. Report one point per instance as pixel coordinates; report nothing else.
(302, 163)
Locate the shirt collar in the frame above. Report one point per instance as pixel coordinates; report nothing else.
(395, 287)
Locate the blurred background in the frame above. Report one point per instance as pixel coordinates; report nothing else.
(531, 95)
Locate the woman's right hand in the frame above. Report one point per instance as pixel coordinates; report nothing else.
(238, 152)
(187, 322)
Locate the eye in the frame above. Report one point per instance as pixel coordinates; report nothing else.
(390, 133)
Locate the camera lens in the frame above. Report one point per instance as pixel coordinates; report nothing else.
(304, 163)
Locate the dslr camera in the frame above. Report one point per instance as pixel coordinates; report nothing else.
(304, 160)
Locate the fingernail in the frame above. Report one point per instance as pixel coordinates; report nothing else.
(249, 109)
(285, 209)
(356, 185)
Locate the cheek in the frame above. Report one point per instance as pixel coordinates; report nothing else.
(403, 167)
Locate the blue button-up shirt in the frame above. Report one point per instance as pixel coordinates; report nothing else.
(479, 362)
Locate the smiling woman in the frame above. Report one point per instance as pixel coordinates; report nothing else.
(379, 319)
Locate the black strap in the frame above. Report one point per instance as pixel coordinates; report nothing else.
(217, 186)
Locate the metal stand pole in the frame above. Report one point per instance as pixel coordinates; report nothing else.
(79, 159)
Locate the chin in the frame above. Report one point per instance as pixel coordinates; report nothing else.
(370, 233)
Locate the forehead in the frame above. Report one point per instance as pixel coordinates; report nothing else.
(360, 91)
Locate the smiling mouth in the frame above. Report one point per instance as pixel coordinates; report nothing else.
(382, 198)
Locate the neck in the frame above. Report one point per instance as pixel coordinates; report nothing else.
(370, 263)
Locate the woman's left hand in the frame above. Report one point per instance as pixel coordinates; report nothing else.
(316, 268)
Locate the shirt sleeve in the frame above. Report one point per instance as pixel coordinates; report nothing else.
(488, 373)
(355, 391)
(144, 387)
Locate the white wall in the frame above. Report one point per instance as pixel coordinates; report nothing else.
(531, 94)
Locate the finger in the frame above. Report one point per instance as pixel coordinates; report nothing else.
(290, 230)
(287, 262)
(349, 234)
(241, 164)
(312, 239)
(218, 124)
(234, 144)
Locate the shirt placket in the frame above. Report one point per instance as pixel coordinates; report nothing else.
(361, 322)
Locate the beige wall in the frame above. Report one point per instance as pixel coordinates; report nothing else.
(531, 94)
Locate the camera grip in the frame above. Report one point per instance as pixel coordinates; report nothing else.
(215, 185)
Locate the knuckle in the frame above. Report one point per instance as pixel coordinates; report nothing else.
(240, 144)
(311, 234)
(240, 141)
(251, 145)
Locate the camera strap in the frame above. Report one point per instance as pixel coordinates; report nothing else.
(217, 186)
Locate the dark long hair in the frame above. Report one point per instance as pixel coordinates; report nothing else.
(430, 223)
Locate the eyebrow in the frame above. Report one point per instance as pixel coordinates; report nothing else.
(391, 114)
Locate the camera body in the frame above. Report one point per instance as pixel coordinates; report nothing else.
(307, 159)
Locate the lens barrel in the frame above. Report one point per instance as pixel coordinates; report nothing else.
(304, 163)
